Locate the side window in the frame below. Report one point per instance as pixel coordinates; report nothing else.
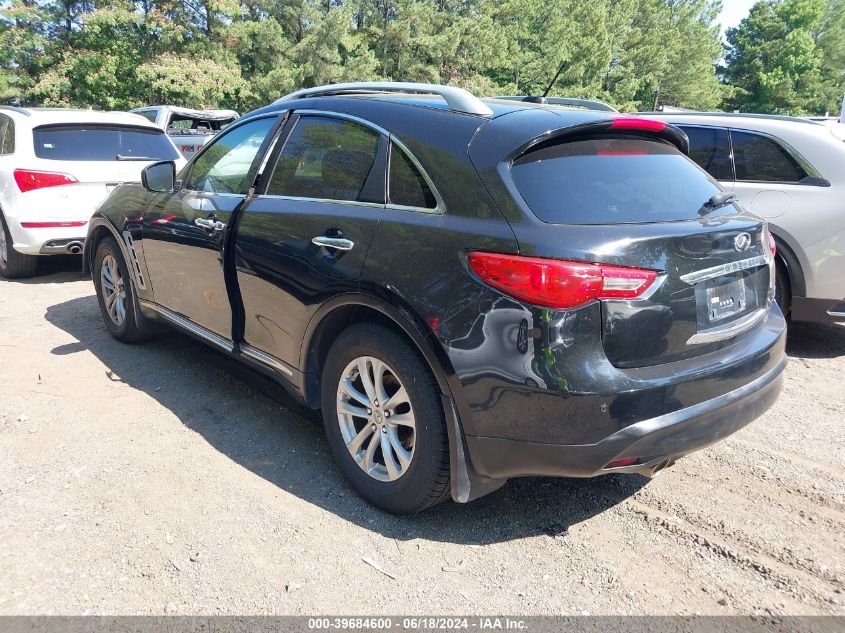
(760, 158)
(225, 166)
(407, 187)
(328, 159)
(711, 149)
(7, 135)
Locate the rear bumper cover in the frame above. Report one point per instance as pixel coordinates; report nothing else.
(656, 441)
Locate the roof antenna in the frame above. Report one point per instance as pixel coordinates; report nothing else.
(542, 99)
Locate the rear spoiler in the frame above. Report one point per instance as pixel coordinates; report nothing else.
(621, 124)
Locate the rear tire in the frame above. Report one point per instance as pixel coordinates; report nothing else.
(783, 290)
(394, 451)
(115, 293)
(14, 265)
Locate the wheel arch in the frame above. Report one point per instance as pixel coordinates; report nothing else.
(340, 312)
(794, 270)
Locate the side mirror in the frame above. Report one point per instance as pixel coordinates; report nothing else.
(159, 177)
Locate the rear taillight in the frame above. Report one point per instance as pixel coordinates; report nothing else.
(28, 179)
(557, 283)
(773, 247)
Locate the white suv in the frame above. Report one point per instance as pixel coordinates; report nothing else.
(56, 166)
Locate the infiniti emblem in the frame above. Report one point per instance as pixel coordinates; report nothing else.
(742, 242)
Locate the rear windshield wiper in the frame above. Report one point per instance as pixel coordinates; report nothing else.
(717, 201)
(125, 157)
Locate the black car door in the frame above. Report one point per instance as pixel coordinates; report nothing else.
(304, 239)
(184, 233)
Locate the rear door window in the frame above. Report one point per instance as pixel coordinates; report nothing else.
(760, 158)
(407, 186)
(329, 159)
(102, 143)
(710, 147)
(611, 181)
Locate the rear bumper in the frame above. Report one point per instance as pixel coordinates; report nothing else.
(806, 309)
(58, 240)
(656, 441)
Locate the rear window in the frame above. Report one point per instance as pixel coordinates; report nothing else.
(102, 143)
(611, 181)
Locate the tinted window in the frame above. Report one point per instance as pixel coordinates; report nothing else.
(225, 166)
(609, 181)
(407, 185)
(102, 142)
(328, 159)
(711, 148)
(7, 135)
(761, 158)
(150, 115)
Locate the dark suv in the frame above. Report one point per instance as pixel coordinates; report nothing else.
(469, 290)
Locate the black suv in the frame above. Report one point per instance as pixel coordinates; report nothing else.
(469, 290)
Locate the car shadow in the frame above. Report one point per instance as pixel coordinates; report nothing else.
(815, 340)
(252, 420)
(55, 269)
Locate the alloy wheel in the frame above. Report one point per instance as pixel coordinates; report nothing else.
(114, 290)
(376, 418)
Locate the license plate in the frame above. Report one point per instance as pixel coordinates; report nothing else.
(726, 296)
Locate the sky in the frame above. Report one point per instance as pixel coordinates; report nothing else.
(733, 11)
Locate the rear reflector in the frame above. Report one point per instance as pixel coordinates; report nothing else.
(52, 225)
(630, 123)
(29, 179)
(557, 283)
(773, 247)
(625, 461)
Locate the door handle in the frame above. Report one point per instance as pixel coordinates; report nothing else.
(337, 243)
(211, 225)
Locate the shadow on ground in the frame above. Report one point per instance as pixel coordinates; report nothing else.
(816, 340)
(254, 422)
(55, 269)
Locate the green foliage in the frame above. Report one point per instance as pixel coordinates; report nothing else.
(788, 55)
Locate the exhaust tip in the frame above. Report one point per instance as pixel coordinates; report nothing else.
(75, 248)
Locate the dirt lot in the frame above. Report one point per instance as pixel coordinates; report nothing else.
(153, 479)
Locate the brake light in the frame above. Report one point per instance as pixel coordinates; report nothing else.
(631, 123)
(28, 179)
(773, 247)
(557, 283)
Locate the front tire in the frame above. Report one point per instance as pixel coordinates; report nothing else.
(384, 420)
(14, 265)
(115, 293)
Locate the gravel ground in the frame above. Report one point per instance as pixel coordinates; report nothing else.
(162, 478)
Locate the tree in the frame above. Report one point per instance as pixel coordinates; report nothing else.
(775, 62)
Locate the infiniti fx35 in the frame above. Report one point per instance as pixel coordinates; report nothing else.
(469, 290)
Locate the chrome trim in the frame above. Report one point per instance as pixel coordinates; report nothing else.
(136, 264)
(264, 359)
(337, 243)
(731, 329)
(458, 99)
(190, 326)
(724, 269)
(836, 314)
(374, 205)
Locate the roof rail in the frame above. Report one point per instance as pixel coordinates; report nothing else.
(587, 104)
(457, 99)
(17, 109)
